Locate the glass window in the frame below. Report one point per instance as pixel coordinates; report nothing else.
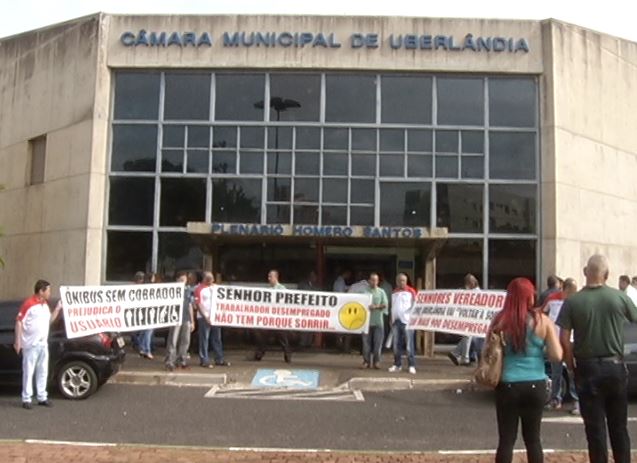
(127, 253)
(472, 166)
(334, 215)
(459, 207)
(308, 138)
(362, 191)
(224, 137)
(512, 208)
(236, 200)
(509, 259)
(420, 140)
(136, 95)
(187, 96)
(405, 204)
(296, 96)
(472, 141)
(419, 165)
(198, 161)
(446, 141)
(279, 189)
(447, 166)
(392, 165)
(182, 200)
(177, 252)
(512, 102)
(335, 190)
(279, 163)
(198, 136)
(406, 99)
(173, 136)
(335, 164)
(172, 160)
(363, 140)
(350, 98)
(364, 164)
(131, 201)
(251, 162)
(361, 215)
(239, 97)
(278, 213)
(134, 148)
(224, 162)
(307, 163)
(335, 139)
(392, 140)
(511, 155)
(252, 137)
(456, 258)
(306, 190)
(460, 101)
(280, 138)
(306, 215)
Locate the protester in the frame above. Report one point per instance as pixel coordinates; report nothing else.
(373, 339)
(596, 317)
(31, 338)
(461, 355)
(389, 289)
(341, 286)
(625, 286)
(136, 336)
(633, 282)
(402, 302)
(521, 393)
(262, 335)
(179, 335)
(208, 333)
(552, 307)
(309, 284)
(553, 286)
(146, 336)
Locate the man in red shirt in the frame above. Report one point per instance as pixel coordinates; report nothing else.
(31, 337)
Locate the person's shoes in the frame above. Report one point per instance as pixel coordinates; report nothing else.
(148, 356)
(576, 411)
(258, 356)
(376, 366)
(170, 367)
(287, 358)
(27, 405)
(412, 370)
(45, 403)
(453, 358)
(553, 405)
(206, 365)
(364, 366)
(184, 367)
(222, 364)
(394, 369)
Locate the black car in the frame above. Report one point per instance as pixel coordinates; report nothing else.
(77, 366)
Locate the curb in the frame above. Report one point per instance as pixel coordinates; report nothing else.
(401, 384)
(152, 378)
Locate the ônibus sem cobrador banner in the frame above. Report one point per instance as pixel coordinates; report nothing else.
(97, 309)
(465, 312)
(282, 309)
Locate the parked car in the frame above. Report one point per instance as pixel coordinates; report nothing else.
(78, 367)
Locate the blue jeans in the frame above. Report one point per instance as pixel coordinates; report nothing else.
(556, 381)
(209, 336)
(35, 360)
(372, 344)
(146, 341)
(403, 338)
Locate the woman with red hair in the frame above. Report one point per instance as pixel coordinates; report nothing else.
(521, 394)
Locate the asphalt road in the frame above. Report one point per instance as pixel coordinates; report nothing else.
(408, 420)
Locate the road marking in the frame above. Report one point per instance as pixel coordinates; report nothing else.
(571, 419)
(64, 442)
(338, 394)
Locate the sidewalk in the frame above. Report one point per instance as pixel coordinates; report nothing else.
(336, 369)
(21, 452)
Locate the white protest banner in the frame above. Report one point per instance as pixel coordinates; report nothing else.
(96, 309)
(282, 309)
(465, 312)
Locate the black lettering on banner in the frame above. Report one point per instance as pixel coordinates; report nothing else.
(135, 317)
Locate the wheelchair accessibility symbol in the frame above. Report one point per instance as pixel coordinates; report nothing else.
(280, 378)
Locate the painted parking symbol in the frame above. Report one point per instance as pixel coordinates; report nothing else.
(281, 378)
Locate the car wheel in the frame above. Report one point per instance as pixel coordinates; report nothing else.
(77, 380)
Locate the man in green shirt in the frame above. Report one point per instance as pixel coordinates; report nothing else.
(596, 316)
(260, 336)
(373, 339)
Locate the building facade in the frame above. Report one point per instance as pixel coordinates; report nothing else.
(239, 143)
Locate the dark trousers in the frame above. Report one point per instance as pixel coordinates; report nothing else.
(601, 386)
(515, 403)
(261, 337)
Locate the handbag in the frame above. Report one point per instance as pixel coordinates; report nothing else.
(489, 369)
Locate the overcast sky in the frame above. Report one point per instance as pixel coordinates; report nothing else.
(611, 16)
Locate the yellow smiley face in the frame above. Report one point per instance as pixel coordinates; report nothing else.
(352, 316)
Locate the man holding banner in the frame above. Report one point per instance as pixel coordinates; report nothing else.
(373, 339)
(260, 336)
(402, 302)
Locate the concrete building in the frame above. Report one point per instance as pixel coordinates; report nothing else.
(239, 143)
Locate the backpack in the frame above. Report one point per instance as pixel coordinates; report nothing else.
(489, 369)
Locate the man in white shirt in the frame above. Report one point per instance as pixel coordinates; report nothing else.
(32, 338)
(402, 301)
